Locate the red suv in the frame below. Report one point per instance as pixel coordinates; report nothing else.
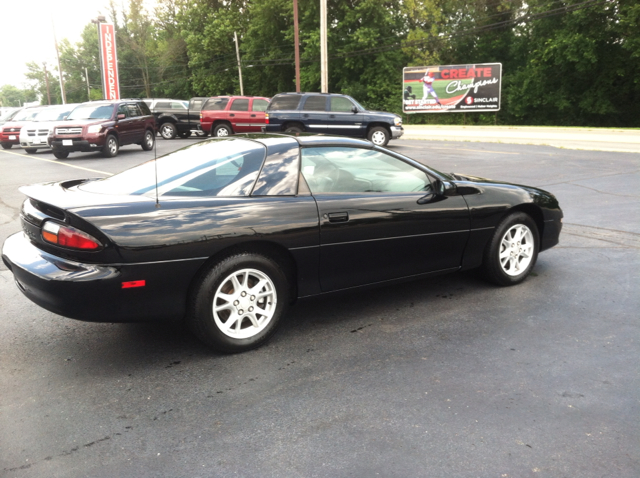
(225, 115)
(104, 126)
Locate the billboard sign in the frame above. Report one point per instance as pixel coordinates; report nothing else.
(109, 61)
(452, 88)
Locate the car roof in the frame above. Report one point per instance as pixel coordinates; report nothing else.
(310, 139)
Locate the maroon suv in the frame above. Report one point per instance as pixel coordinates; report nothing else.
(104, 126)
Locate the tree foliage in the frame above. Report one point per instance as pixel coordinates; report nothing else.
(565, 62)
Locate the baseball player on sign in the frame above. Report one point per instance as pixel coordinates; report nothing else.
(427, 87)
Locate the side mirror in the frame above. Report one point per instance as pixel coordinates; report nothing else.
(440, 190)
(121, 116)
(64, 118)
(354, 109)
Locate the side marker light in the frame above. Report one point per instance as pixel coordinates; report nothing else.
(134, 283)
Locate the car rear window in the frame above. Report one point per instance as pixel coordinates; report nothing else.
(215, 104)
(226, 167)
(241, 104)
(285, 102)
(259, 105)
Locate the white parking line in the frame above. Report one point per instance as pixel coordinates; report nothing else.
(57, 162)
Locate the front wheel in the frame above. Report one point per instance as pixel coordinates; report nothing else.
(149, 140)
(512, 251)
(239, 303)
(6, 145)
(61, 154)
(111, 147)
(379, 136)
(168, 131)
(31, 150)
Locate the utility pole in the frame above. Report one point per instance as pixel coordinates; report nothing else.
(46, 80)
(235, 38)
(324, 62)
(64, 100)
(86, 75)
(100, 19)
(297, 42)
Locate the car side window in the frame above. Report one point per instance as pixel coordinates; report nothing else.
(259, 105)
(176, 105)
(315, 103)
(240, 105)
(356, 170)
(122, 110)
(340, 103)
(133, 110)
(215, 104)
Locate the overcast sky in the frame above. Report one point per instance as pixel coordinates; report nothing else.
(26, 32)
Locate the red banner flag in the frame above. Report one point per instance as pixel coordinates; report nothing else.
(109, 61)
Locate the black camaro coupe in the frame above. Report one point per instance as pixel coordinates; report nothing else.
(228, 232)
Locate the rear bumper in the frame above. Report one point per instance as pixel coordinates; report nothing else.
(95, 292)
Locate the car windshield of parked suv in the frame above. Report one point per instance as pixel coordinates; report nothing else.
(53, 114)
(226, 167)
(7, 115)
(99, 111)
(27, 115)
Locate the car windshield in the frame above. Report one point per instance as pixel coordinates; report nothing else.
(227, 167)
(103, 111)
(27, 115)
(7, 115)
(54, 114)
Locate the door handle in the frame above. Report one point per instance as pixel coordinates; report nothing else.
(305, 115)
(231, 114)
(338, 216)
(332, 116)
(253, 116)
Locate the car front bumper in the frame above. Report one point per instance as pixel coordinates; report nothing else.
(396, 132)
(96, 292)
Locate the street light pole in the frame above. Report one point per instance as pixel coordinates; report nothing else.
(64, 100)
(297, 42)
(324, 62)
(235, 38)
(98, 20)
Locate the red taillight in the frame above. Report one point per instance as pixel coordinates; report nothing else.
(68, 237)
(266, 119)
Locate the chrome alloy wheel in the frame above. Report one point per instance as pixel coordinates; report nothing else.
(516, 250)
(244, 304)
(112, 145)
(378, 138)
(149, 139)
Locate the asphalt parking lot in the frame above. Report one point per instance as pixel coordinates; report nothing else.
(447, 377)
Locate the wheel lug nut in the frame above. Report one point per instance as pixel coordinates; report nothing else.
(236, 302)
(243, 294)
(241, 312)
(250, 309)
(253, 297)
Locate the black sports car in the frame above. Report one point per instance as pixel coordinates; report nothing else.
(229, 232)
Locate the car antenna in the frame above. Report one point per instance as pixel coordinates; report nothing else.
(155, 167)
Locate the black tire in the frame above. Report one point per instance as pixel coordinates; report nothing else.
(379, 135)
(294, 128)
(61, 154)
(208, 326)
(6, 145)
(168, 130)
(111, 147)
(149, 140)
(31, 150)
(509, 256)
(185, 134)
(222, 130)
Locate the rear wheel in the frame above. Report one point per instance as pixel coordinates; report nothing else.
(294, 128)
(6, 145)
(239, 303)
(379, 135)
(31, 150)
(168, 130)
(111, 147)
(61, 154)
(512, 251)
(149, 140)
(222, 130)
(185, 134)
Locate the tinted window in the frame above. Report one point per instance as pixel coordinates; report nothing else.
(122, 110)
(240, 105)
(216, 104)
(315, 103)
(196, 104)
(177, 105)
(339, 103)
(259, 105)
(226, 167)
(354, 170)
(285, 102)
(133, 110)
(165, 105)
(144, 108)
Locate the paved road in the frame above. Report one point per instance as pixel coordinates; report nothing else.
(443, 377)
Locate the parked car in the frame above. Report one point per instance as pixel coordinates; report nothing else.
(8, 114)
(331, 114)
(227, 115)
(35, 135)
(104, 126)
(228, 232)
(177, 117)
(10, 131)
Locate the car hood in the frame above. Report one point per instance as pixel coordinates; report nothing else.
(16, 124)
(464, 180)
(43, 124)
(386, 114)
(83, 122)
